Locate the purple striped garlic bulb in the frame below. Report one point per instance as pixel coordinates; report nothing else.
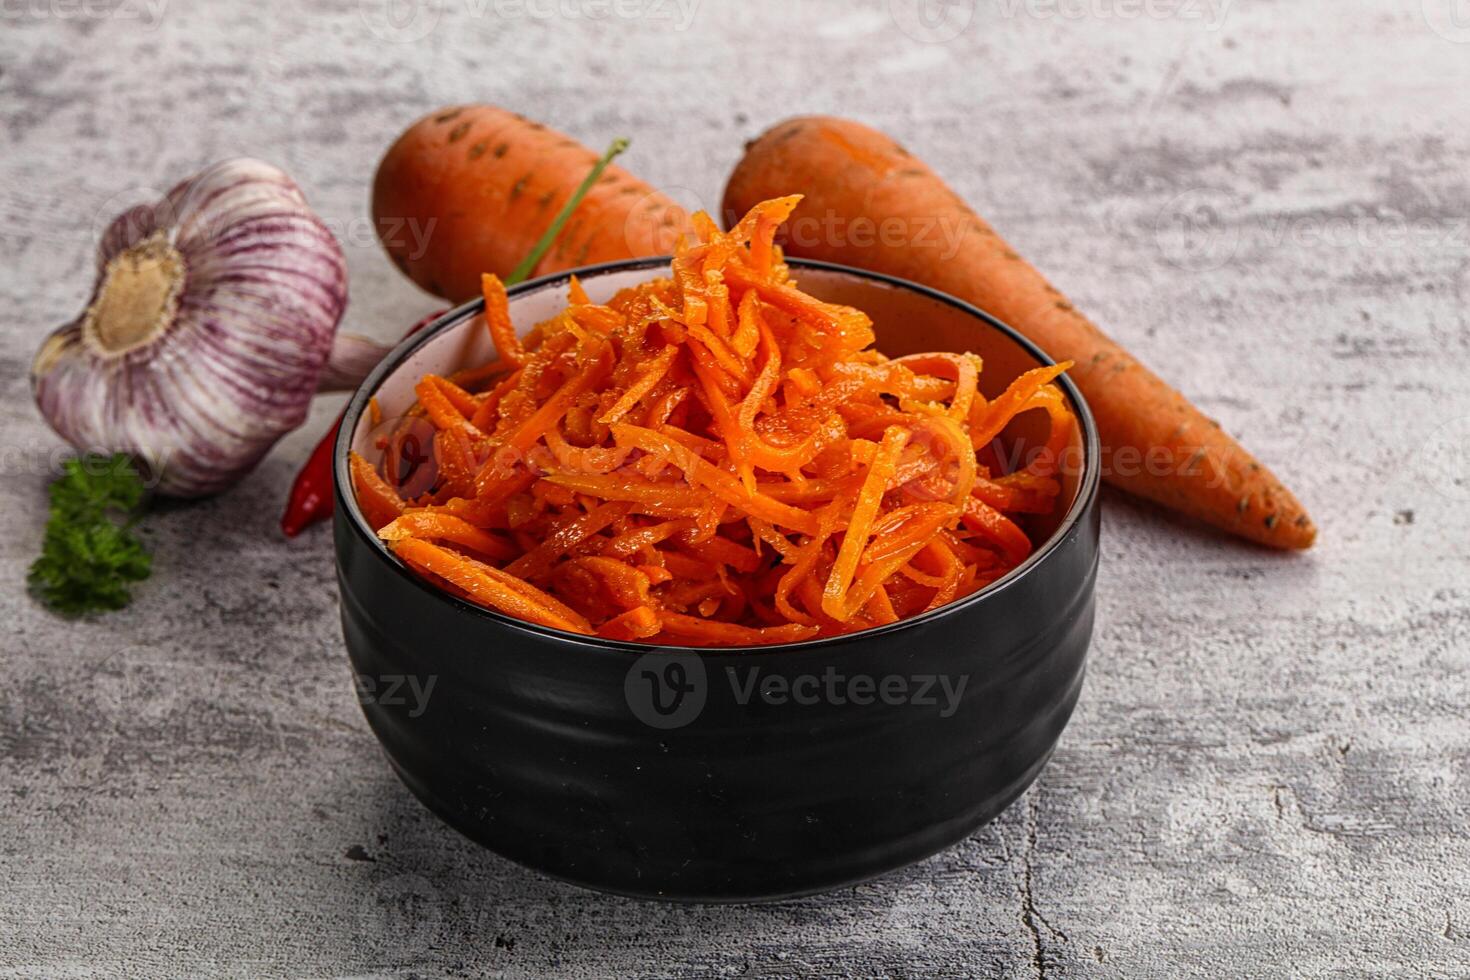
(211, 327)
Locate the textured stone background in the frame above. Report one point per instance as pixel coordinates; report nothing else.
(1267, 773)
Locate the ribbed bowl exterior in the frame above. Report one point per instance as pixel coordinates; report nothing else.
(528, 742)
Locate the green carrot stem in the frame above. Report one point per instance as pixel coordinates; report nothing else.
(549, 236)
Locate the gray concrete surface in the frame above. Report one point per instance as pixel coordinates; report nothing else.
(1267, 775)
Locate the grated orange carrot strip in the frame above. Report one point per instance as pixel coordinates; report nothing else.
(748, 331)
(647, 496)
(497, 318)
(582, 460)
(441, 411)
(488, 412)
(629, 543)
(549, 413)
(855, 538)
(966, 377)
(455, 456)
(635, 624)
(724, 485)
(1063, 425)
(998, 529)
(491, 587)
(758, 228)
(804, 565)
(683, 627)
(447, 527)
(651, 376)
(538, 561)
(987, 421)
(379, 502)
(464, 403)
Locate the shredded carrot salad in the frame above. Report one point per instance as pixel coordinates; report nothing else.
(714, 458)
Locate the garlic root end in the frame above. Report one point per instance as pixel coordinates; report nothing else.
(137, 300)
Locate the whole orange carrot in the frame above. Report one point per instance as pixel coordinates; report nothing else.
(468, 189)
(870, 203)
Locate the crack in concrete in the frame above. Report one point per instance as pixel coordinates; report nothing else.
(1029, 915)
(1279, 803)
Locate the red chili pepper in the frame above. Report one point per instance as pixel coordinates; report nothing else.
(311, 495)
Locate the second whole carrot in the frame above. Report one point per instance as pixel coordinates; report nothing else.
(1158, 445)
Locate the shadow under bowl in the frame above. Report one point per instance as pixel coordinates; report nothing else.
(723, 774)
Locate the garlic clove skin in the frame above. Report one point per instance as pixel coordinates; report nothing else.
(210, 326)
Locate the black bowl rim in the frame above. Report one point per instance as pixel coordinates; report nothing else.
(1087, 490)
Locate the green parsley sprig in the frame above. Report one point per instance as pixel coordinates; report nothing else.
(90, 556)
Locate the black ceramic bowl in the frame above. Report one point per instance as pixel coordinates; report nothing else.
(723, 774)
